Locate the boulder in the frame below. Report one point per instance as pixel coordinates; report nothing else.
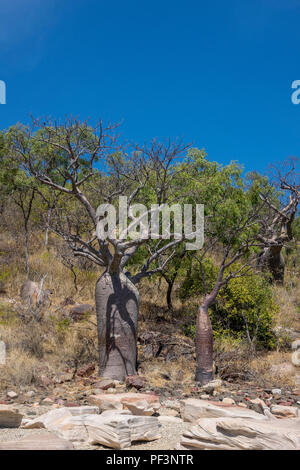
(104, 384)
(78, 311)
(193, 409)
(295, 345)
(138, 403)
(211, 386)
(228, 401)
(281, 411)
(258, 405)
(63, 377)
(284, 368)
(136, 381)
(289, 333)
(86, 371)
(10, 417)
(141, 407)
(242, 434)
(296, 358)
(38, 442)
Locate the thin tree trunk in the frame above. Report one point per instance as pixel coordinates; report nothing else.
(117, 305)
(47, 229)
(169, 294)
(204, 346)
(26, 249)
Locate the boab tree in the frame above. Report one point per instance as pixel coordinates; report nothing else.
(87, 166)
(277, 224)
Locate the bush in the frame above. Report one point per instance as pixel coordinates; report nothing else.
(192, 284)
(244, 309)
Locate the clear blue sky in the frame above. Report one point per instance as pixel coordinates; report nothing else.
(217, 73)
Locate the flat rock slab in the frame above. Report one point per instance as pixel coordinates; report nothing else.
(10, 416)
(114, 428)
(52, 419)
(38, 442)
(281, 411)
(140, 404)
(194, 409)
(119, 431)
(242, 434)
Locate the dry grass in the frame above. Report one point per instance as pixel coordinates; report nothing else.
(288, 300)
(175, 374)
(274, 369)
(22, 369)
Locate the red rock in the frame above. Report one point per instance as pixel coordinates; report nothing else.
(86, 370)
(45, 380)
(136, 381)
(121, 401)
(220, 403)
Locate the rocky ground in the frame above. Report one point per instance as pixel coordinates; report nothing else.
(174, 409)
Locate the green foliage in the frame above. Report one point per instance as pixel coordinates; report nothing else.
(63, 325)
(192, 284)
(245, 309)
(5, 273)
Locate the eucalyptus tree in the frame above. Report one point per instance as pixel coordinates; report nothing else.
(88, 167)
(19, 187)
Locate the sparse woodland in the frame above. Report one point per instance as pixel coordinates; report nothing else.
(145, 307)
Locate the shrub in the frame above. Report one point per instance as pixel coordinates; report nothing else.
(244, 308)
(192, 284)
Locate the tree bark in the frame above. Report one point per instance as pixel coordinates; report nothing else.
(272, 260)
(204, 346)
(117, 306)
(169, 295)
(26, 249)
(47, 229)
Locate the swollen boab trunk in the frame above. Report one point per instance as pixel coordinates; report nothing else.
(204, 346)
(117, 306)
(272, 260)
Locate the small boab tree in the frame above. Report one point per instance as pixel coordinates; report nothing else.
(88, 167)
(233, 214)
